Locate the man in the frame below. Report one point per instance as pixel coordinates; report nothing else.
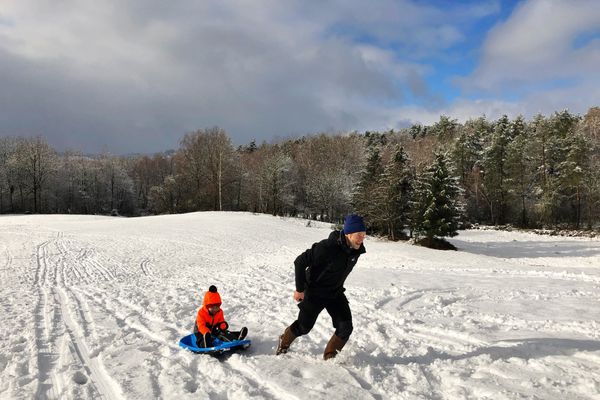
(320, 275)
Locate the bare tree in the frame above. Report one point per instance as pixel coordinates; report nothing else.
(7, 149)
(219, 162)
(193, 153)
(330, 166)
(38, 161)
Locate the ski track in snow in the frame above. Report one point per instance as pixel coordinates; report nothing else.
(93, 307)
(60, 339)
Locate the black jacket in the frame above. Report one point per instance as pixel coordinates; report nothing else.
(323, 269)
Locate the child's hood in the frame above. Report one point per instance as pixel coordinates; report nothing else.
(211, 297)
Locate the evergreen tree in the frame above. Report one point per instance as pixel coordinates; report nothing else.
(495, 172)
(553, 141)
(445, 128)
(573, 173)
(520, 170)
(590, 129)
(436, 210)
(389, 203)
(369, 180)
(465, 155)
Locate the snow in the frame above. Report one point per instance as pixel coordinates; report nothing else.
(95, 306)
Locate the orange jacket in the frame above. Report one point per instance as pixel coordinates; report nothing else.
(204, 321)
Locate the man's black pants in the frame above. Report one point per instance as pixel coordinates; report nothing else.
(337, 307)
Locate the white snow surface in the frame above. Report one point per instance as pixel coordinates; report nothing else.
(94, 307)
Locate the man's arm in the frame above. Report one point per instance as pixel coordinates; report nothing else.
(302, 262)
(313, 258)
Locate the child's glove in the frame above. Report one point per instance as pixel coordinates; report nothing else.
(220, 329)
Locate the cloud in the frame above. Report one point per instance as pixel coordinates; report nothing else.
(137, 75)
(537, 48)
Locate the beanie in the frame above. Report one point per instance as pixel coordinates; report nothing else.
(354, 223)
(212, 296)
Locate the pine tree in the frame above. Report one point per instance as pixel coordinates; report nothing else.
(554, 138)
(369, 180)
(436, 210)
(445, 128)
(495, 174)
(389, 203)
(573, 173)
(466, 155)
(520, 170)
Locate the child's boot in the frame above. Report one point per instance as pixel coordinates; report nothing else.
(285, 341)
(243, 333)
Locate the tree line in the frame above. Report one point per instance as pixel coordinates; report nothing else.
(537, 173)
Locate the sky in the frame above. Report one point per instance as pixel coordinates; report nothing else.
(134, 76)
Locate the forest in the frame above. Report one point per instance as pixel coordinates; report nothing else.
(537, 173)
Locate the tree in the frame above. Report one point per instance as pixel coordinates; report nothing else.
(495, 173)
(327, 166)
(574, 169)
(436, 210)
(445, 129)
(7, 149)
(148, 172)
(219, 163)
(466, 156)
(209, 160)
(38, 161)
(369, 180)
(193, 152)
(520, 171)
(390, 201)
(590, 129)
(557, 133)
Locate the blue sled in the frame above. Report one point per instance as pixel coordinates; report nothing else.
(189, 342)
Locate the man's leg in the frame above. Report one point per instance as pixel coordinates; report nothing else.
(310, 308)
(340, 313)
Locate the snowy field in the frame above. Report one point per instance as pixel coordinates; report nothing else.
(93, 307)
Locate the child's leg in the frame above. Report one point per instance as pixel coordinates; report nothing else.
(199, 336)
(236, 335)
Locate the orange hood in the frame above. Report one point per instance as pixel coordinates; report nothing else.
(211, 297)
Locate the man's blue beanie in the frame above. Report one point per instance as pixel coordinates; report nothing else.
(354, 223)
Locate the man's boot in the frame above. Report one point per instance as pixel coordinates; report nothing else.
(333, 347)
(285, 341)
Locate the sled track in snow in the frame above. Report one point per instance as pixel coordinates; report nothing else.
(82, 263)
(146, 268)
(9, 260)
(134, 319)
(41, 256)
(93, 366)
(58, 335)
(6, 270)
(125, 313)
(254, 380)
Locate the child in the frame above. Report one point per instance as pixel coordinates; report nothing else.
(210, 322)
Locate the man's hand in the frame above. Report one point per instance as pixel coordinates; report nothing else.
(298, 296)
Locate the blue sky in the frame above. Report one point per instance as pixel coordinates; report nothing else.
(136, 75)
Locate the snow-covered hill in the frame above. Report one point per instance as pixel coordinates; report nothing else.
(95, 306)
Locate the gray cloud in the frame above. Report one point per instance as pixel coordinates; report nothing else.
(128, 76)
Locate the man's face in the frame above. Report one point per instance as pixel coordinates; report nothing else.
(355, 239)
